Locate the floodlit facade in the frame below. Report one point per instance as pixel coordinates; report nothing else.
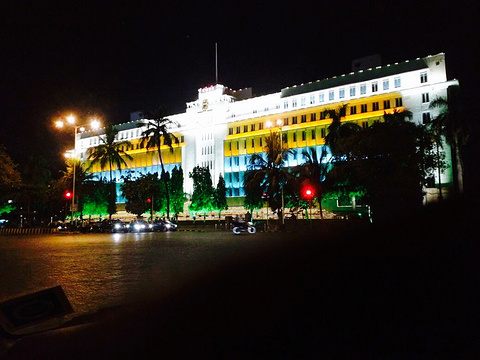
(222, 128)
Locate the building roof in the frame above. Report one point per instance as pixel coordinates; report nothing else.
(359, 76)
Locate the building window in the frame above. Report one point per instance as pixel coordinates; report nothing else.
(238, 145)
(365, 124)
(312, 99)
(426, 118)
(363, 108)
(425, 98)
(341, 93)
(321, 98)
(230, 146)
(294, 137)
(375, 106)
(331, 95)
(352, 91)
(294, 120)
(398, 102)
(313, 117)
(285, 121)
(302, 101)
(304, 119)
(304, 136)
(386, 84)
(374, 86)
(294, 103)
(238, 130)
(314, 135)
(244, 144)
(245, 128)
(260, 126)
(252, 127)
(322, 132)
(363, 89)
(261, 142)
(323, 115)
(423, 77)
(353, 110)
(386, 104)
(230, 131)
(253, 143)
(398, 82)
(285, 104)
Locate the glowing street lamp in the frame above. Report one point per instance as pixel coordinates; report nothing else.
(70, 120)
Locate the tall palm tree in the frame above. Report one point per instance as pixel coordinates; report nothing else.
(156, 134)
(110, 152)
(337, 130)
(450, 125)
(314, 171)
(81, 176)
(268, 175)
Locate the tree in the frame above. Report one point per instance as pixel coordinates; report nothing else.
(451, 125)
(220, 196)
(81, 176)
(267, 176)
(10, 180)
(177, 195)
(386, 161)
(336, 130)
(314, 171)
(140, 193)
(110, 153)
(96, 196)
(157, 134)
(203, 191)
(35, 181)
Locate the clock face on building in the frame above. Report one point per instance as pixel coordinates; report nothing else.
(205, 105)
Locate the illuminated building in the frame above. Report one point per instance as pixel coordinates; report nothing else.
(222, 128)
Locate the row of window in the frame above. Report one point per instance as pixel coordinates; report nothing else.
(374, 86)
(352, 110)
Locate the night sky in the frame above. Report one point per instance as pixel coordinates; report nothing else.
(116, 57)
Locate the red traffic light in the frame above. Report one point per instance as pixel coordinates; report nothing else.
(149, 201)
(308, 193)
(67, 195)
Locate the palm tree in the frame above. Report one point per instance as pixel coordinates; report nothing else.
(267, 175)
(157, 134)
(397, 117)
(314, 171)
(81, 176)
(337, 130)
(450, 125)
(110, 152)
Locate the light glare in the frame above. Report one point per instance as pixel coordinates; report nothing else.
(71, 119)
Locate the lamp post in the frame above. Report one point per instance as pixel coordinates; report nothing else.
(279, 124)
(70, 121)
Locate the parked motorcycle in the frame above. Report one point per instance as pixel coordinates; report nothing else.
(239, 227)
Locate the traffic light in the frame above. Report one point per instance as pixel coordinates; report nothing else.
(67, 195)
(308, 193)
(149, 200)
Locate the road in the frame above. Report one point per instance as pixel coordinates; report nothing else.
(101, 270)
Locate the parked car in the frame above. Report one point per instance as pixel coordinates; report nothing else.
(112, 226)
(138, 226)
(163, 225)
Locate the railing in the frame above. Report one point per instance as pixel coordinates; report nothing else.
(20, 231)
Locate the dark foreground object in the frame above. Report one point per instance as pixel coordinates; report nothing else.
(403, 290)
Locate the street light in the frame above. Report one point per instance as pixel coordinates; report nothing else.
(279, 124)
(70, 121)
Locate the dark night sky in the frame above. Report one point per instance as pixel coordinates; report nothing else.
(115, 57)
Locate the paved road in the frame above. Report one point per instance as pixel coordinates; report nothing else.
(100, 270)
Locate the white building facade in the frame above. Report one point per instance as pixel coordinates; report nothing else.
(222, 128)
